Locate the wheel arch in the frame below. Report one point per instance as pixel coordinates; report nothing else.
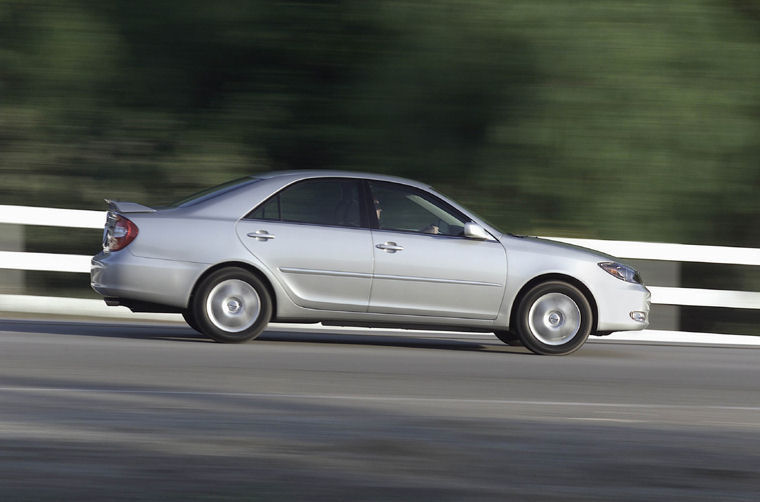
(555, 277)
(245, 266)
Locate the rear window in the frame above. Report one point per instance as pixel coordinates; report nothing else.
(212, 192)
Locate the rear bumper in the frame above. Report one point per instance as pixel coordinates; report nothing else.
(123, 275)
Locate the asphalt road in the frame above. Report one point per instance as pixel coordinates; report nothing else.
(155, 412)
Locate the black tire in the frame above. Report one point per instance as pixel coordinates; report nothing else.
(554, 318)
(508, 337)
(187, 315)
(231, 305)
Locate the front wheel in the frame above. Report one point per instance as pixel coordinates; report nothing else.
(231, 305)
(512, 339)
(554, 318)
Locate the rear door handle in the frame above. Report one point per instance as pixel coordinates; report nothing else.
(261, 235)
(390, 247)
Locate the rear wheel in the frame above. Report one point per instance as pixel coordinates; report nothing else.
(187, 315)
(554, 318)
(231, 306)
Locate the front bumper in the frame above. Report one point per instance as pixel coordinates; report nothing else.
(616, 309)
(121, 274)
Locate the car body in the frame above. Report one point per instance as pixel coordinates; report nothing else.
(357, 249)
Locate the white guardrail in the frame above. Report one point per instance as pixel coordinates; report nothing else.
(75, 218)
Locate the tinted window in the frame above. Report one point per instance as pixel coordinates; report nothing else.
(321, 202)
(270, 210)
(408, 209)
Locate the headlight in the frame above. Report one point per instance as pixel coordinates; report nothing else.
(621, 271)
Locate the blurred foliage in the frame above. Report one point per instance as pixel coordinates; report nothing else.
(633, 120)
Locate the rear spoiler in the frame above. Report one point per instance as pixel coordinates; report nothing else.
(127, 207)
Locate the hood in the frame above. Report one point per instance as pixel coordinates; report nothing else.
(548, 246)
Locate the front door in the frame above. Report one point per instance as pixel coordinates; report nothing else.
(423, 263)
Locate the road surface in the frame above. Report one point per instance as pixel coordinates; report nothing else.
(98, 411)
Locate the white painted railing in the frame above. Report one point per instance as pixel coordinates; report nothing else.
(24, 215)
(50, 217)
(725, 255)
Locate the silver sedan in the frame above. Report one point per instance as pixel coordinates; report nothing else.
(357, 249)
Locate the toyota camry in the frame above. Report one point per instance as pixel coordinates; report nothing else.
(357, 249)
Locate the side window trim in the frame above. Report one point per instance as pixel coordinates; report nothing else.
(368, 214)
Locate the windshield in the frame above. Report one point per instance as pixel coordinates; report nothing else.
(212, 192)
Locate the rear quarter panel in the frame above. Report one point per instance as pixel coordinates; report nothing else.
(203, 242)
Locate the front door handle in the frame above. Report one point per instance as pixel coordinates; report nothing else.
(261, 235)
(390, 247)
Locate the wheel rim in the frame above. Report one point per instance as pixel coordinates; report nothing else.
(233, 305)
(554, 319)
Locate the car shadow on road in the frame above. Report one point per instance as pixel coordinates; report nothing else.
(181, 333)
(137, 331)
(411, 340)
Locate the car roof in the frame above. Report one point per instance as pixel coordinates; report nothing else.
(329, 173)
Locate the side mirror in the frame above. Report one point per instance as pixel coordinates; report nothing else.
(475, 231)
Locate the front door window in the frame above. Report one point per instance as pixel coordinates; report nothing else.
(407, 209)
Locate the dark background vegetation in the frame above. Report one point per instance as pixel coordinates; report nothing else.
(623, 120)
(636, 120)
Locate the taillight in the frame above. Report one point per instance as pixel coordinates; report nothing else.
(120, 234)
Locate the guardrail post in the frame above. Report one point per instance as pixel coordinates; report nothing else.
(661, 273)
(12, 239)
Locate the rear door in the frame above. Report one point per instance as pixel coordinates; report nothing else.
(313, 238)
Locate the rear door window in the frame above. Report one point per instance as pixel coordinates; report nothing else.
(334, 202)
